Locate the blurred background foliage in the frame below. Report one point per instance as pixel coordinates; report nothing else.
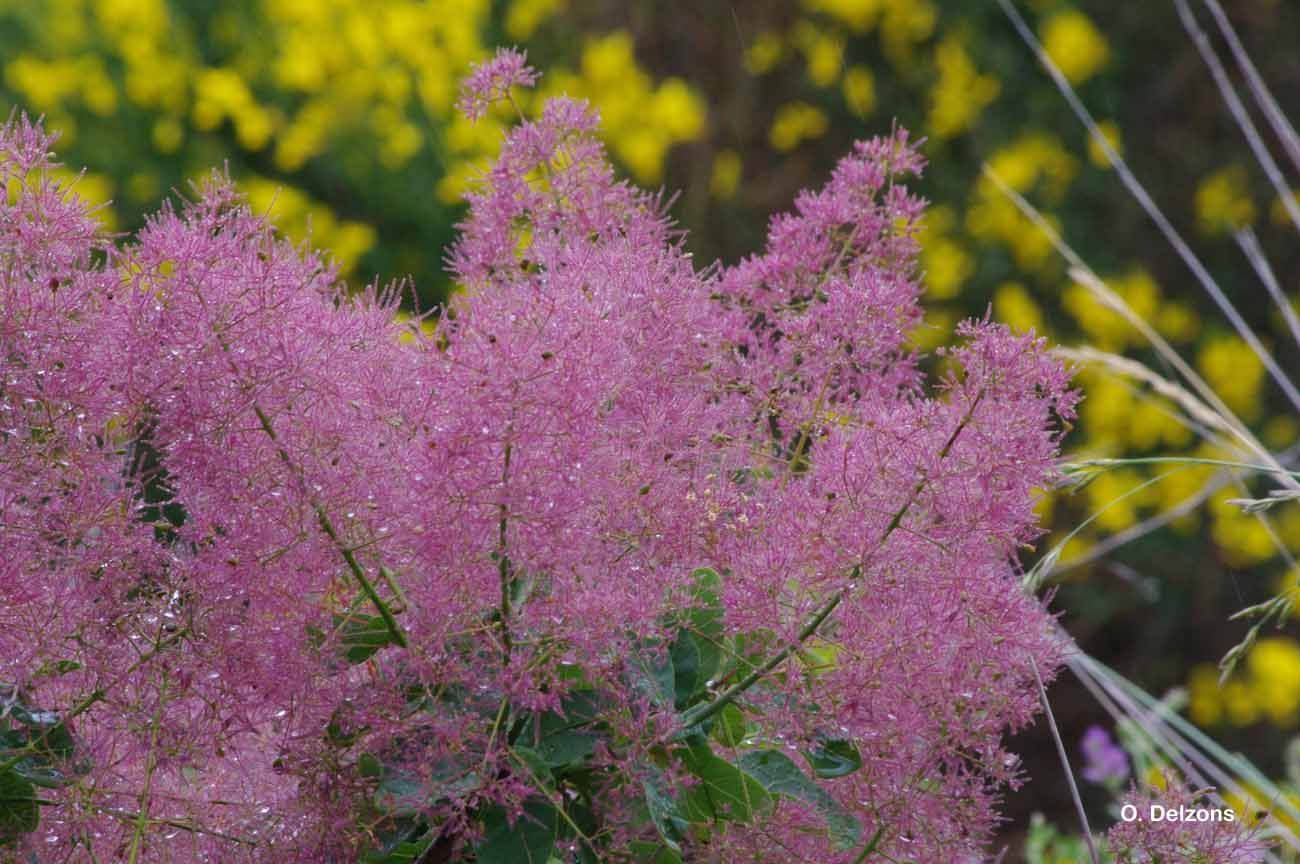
(336, 116)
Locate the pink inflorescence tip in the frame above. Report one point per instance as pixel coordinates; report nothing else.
(491, 80)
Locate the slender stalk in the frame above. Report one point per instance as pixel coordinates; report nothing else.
(1065, 763)
(871, 846)
(1144, 199)
(503, 563)
(1277, 119)
(1178, 460)
(151, 762)
(1239, 113)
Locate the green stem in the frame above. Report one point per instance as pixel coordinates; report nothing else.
(151, 762)
(1177, 460)
(700, 713)
(322, 517)
(327, 526)
(503, 564)
(704, 711)
(871, 845)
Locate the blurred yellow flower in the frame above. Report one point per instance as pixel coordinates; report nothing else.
(1110, 132)
(1074, 44)
(959, 93)
(860, 15)
(796, 122)
(1013, 306)
(1233, 370)
(904, 24)
(1278, 210)
(823, 52)
(946, 263)
(1242, 537)
(859, 88)
(764, 53)
(1223, 201)
(726, 174)
(525, 16)
(304, 220)
(936, 328)
(1205, 702)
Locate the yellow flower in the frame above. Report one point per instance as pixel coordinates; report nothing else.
(1278, 210)
(1106, 327)
(936, 329)
(305, 220)
(946, 262)
(1233, 370)
(1110, 132)
(167, 135)
(1242, 538)
(959, 93)
(1074, 44)
(825, 56)
(906, 23)
(1280, 432)
(794, 123)
(1223, 202)
(678, 109)
(858, 14)
(525, 16)
(1013, 306)
(1112, 497)
(1274, 668)
(95, 190)
(727, 169)
(765, 52)
(859, 88)
(1177, 322)
(1205, 702)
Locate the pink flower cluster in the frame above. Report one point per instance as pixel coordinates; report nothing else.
(1178, 823)
(220, 474)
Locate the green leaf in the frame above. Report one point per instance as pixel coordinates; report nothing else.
(19, 813)
(401, 851)
(529, 840)
(653, 674)
(533, 763)
(694, 663)
(705, 615)
(370, 766)
(834, 757)
(724, 791)
(400, 796)
(566, 747)
(729, 726)
(362, 636)
(781, 776)
(654, 853)
(55, 668)
(47, 734)
(521, 589)
(664, 811)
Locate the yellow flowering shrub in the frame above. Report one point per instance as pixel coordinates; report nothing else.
(348, 105)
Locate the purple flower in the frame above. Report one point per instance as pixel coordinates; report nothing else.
(1105, 762)
(491, 80)
(596, 417)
